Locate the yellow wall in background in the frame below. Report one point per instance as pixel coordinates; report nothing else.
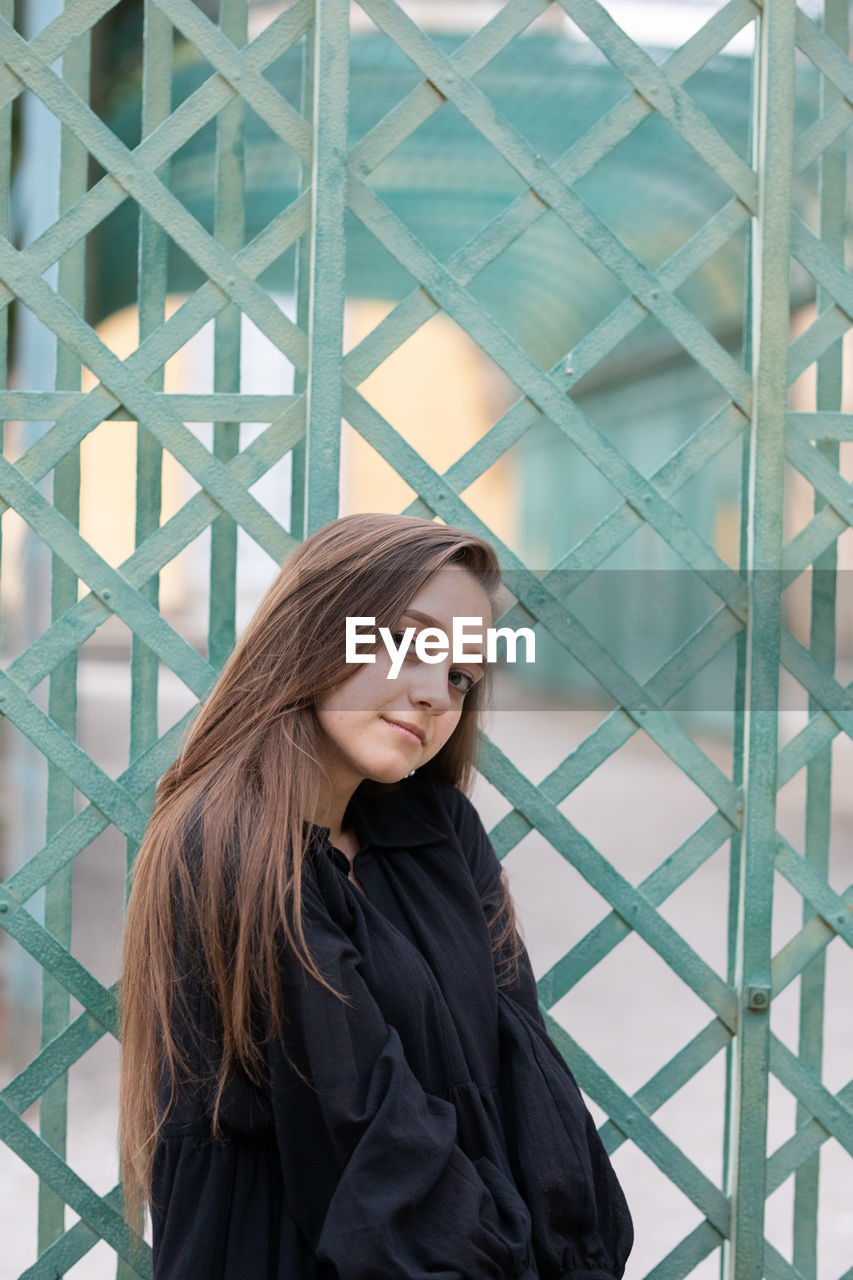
(440, 392)
(108, 466)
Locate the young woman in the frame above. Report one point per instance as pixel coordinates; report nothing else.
(333, 1060)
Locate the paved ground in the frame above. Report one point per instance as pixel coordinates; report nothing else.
(631, 1014)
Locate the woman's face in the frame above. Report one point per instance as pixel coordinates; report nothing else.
(359, 716)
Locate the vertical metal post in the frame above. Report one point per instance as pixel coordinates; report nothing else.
(302, 293)
(152, 285)
(229, 229)
(739, 736)
(738, 760)
(151, 289)
(328, 262)
(34, 207)
(773, 158)
(62, 696)
(832, 195)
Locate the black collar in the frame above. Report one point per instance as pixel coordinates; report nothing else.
(399, 816)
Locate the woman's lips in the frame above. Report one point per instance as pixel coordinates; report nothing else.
(405, 733)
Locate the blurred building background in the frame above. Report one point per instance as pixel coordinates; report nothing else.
(542, 498)
(438, 389)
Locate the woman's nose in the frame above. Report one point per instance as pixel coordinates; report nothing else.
(429, 686)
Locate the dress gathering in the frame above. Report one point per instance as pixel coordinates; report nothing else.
(425, 1127)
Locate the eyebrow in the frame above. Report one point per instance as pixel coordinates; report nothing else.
(421, 617)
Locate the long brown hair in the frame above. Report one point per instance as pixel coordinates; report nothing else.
(247, 776)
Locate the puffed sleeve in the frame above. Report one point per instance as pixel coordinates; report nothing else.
(372, 1170)
(581, 1224)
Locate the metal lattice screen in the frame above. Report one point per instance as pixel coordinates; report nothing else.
(98, 173)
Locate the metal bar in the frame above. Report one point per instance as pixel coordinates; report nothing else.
(808, 1139)
(87, 412)
(152, 287)
(797, 953)
(630, 903)
(735, 851)
(832, 178)
(56, 745)
(816, 340)
(536, 384)
(816, 256)
(487, 245)
(527, 208)
(62, 697)
(152, 284)
(73, 1190)
(328, 262)
(799, 1080)
(52, 1061)
(773, 158)
(34, 200)
(43, 946)
(666, 1082)
(74, 1244)
(635, 1121)
(230, 231)
(218, 48)
(687, 1254)
(302, 292)
(832, 197)
(151, 194)
(109, 585)
(552, 191)
(91, 821)
(533, 593)
(181, 125)
(595, 945)
(84, 617)
(152, 409)
(35, 405)
(676, 106)
(826, 425)
(324, 385)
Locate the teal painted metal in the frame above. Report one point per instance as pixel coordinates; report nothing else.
(337, 181)
(832, 195)
(329, 176)
(774, 134)
(229, 229)
(62, 699)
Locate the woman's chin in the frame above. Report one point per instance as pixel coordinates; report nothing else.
(390, 771)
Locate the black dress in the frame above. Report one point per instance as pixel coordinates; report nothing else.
(446, 1138)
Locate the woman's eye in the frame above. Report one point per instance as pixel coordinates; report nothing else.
(463, 688)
